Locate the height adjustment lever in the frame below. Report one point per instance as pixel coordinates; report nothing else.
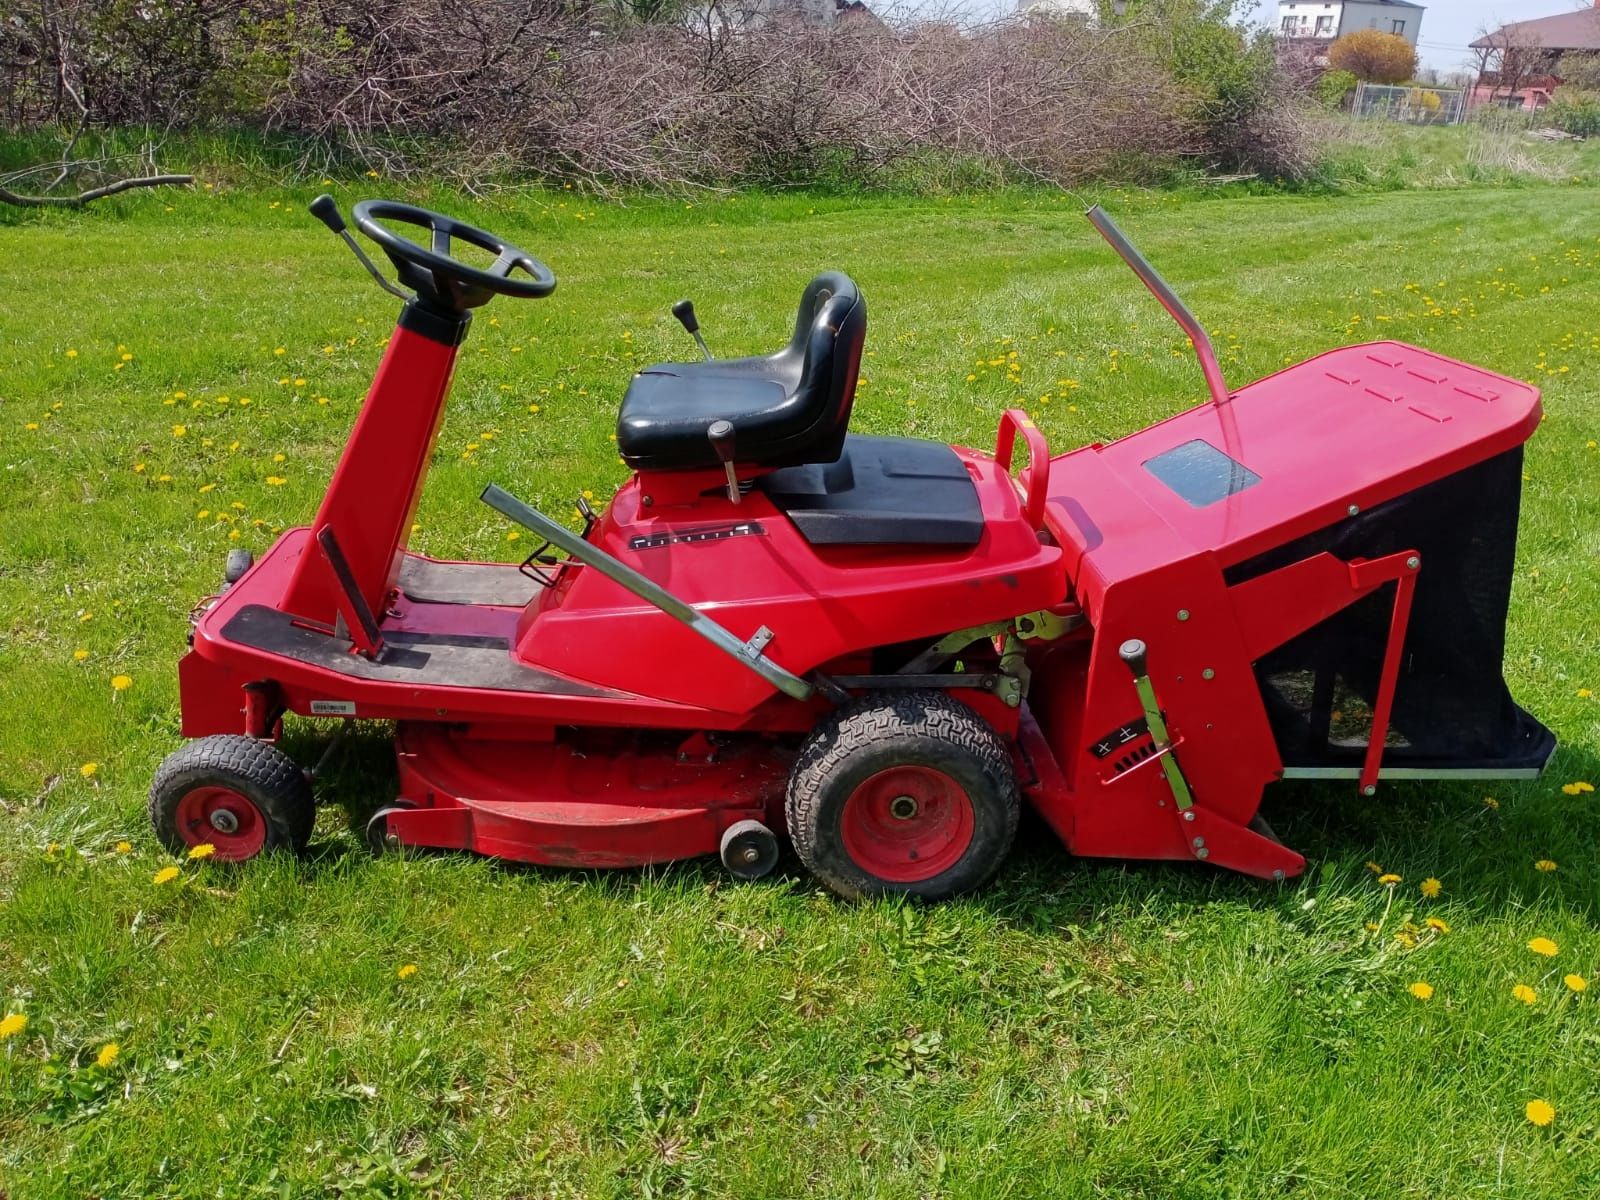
(684, 311)
(326, 210)
(1136, 657)
(720, 434)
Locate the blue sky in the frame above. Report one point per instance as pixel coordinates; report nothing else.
(1449, 25)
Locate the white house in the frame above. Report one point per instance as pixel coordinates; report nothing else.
(1086, 11)
(1324, 20)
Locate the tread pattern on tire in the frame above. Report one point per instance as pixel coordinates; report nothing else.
(259, 770)
(882, 718)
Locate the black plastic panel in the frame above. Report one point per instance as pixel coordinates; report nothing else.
(881, 492)
(424, 581)
(421, 660)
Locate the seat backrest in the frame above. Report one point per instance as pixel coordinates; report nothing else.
(830, 331)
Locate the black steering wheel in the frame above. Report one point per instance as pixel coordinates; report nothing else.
(432, 270)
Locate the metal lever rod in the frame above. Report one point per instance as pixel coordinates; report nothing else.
(750, 654)
(324, 209)
(1136, 656)
(1151, 278)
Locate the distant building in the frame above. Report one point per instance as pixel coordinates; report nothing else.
(1519, 65)
(1316, 21)
(756, 14)
(1087, 11)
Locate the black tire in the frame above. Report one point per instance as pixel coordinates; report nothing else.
(891, 738)
(255, 785)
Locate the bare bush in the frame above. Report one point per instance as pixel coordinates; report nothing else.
(732, 93)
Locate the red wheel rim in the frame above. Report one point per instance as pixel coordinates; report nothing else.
(223, 818)
(907, 824)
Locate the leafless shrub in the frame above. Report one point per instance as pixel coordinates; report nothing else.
(730, 93)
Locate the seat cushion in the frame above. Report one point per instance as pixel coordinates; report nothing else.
(669, 407)
(882, 491)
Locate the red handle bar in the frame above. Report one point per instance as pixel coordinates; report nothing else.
(1035, 477)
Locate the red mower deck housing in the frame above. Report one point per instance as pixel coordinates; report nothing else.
(1137, 637)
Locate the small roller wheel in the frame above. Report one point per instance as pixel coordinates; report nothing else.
(903, 792)
(239, 561)
(749, 849)
(379, 839)
(237, 794)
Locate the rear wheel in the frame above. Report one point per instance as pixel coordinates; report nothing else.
(906, 792)
(237, 794)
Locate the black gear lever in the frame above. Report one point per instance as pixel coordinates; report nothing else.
(684, 311)
(326, 210)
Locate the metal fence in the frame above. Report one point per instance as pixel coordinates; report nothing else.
(1413, 105)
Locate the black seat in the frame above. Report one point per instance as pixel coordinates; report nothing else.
(786, 408)
(882, 491)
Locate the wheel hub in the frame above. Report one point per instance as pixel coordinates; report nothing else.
(907, 823)
(226, 819)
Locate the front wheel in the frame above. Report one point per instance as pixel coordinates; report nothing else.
(908, 792)
(234, 793)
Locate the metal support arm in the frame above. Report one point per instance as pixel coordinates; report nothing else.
(750, 654)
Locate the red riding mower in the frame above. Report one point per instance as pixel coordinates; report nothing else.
(875, 645)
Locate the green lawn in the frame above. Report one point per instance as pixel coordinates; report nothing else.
(1081, 1029)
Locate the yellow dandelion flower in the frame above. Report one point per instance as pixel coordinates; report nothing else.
(1389, 879)
(1422, 991)
(165, 875)
(1374, 868)
(179, 430)
(276, 481)
(1544, 864)
(277, 458)
(1540, 1112)
(12, 1024)
(72, 354)
(121, 683)
(88, 770)
(1584, 693)
(1429, 887)
(203, 850)
(1577, 787)
(1544, 946)
(123, 847)
(1490, 802)
(80, 654)
(1437, 924)
(299, 383)
(279, 351)
(1525, 993)
(407, 971)
(107, 1056)
(1575, 983)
